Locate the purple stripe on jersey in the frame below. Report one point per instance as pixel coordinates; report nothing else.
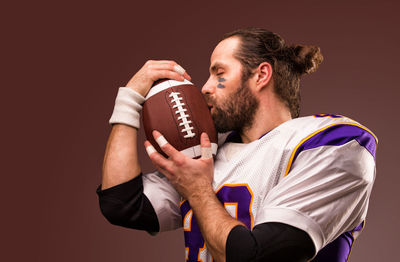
(339, 249)
(358, 228)
(338, 135)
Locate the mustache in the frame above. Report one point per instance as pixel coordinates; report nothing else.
(209, 99)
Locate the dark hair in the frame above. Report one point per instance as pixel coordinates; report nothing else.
(288, 62)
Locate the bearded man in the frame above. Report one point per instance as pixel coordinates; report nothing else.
(281, 187)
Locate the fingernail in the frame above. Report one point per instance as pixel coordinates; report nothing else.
(150, 150)
(161, 141)
(205, 136)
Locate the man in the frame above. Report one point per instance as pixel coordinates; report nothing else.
(281, 188)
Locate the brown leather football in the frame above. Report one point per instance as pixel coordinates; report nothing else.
(178, 110)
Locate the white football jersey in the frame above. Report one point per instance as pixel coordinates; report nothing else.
(314, 173)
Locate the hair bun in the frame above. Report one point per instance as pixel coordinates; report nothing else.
(307, 58)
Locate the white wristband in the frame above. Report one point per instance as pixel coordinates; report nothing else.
(128, 105)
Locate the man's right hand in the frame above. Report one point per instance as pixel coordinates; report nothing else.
(153, 70)
(121, 162)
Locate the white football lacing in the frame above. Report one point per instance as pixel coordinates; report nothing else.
(182, 116)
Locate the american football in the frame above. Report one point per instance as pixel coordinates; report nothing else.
(178, 110)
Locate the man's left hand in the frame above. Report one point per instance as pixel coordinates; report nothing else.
(190, 177)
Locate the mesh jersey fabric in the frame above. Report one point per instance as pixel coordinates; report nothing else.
(314, 173)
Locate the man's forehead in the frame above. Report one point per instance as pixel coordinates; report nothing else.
(225, 48)
(223, 53)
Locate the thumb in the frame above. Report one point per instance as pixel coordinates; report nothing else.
(206, 151)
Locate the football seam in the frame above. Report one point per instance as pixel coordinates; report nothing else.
(196, 128)
(181, 109)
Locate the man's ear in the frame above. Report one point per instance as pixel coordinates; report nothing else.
(264, 75)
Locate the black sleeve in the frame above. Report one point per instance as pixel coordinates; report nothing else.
(126, 205)
(269, 242)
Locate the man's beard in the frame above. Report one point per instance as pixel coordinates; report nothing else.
(237, 112)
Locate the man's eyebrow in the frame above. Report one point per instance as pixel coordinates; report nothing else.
(215, 67)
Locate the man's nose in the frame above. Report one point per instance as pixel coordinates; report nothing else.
(208, 87)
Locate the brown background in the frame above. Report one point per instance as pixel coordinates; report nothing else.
(62, 62)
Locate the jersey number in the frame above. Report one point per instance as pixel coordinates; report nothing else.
(237, 200)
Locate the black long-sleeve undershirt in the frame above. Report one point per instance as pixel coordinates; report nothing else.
(269, 242)
(125, 205)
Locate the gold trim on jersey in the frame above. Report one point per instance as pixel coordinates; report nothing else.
(318, 131)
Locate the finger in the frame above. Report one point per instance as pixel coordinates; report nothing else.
(171, 62)
(164, 145)
(163, 66)
(172, 67)
(165, 73)
(158, 160)
(206, 151)
(150, 63)
(169, 65)
(162, 170)
(177, 68)
(187, 76)
(180, 70)
(149, 148)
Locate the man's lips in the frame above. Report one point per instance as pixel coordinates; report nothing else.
(210, 102)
